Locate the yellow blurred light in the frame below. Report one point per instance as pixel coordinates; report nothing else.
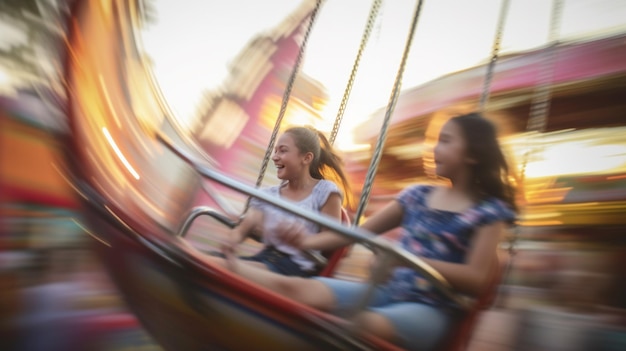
(105, 9)
(577, 158)
(4, 77)
(541, 223)
(349, 146)
(119, 154)
(616, 177)
(108, 100)
(541, 216)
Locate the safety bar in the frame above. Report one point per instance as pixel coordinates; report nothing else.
(203, 210)
(319, 260)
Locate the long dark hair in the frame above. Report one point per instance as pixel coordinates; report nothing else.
(490, 174)
(327, 164)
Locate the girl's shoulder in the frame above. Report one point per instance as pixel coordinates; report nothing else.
(417, 190)
(323, 189)
(326, 186)
(493, 209)
(414, 194)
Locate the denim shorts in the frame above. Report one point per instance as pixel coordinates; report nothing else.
(278, 262)
(418, 326)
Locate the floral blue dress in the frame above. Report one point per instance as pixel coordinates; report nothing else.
(437, 234)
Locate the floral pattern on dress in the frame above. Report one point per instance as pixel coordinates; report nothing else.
(437, 234)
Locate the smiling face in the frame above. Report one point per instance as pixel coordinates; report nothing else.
(451, 152)
(290, 162)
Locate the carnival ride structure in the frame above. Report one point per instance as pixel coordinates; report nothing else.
(136, 172)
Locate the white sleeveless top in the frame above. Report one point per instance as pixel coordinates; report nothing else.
(273, 216)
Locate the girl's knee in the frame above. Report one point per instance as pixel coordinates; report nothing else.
(288, 286)
(376, 324)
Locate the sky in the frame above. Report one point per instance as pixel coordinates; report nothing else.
(192, 45)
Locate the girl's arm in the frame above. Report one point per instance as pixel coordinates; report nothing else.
(250, 221)
(472, 276)
(387, 218)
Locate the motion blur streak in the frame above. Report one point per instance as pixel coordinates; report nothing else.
(566, 289)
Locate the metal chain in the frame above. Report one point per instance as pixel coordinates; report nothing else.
(346, 95)
(369, 179)
(540, 104)
(494, 55)
(286, 95)
(539, 109)
(540, 101)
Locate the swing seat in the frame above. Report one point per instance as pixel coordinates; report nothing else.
(187, 303)
(327, 260)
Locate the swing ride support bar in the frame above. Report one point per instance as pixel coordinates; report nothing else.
(318, 259)
(380, 244)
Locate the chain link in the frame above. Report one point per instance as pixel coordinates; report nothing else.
(286, 95)
(540, 101)
(539, 105)
(494, 55)
(346, 95)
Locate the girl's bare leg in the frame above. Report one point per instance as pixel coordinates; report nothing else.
(375, 324)
(310, 292)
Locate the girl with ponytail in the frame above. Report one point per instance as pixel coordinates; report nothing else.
(310, 170)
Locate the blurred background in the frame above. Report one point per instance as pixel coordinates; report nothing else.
(220, 71)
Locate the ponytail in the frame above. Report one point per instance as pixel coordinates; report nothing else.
(330, 166)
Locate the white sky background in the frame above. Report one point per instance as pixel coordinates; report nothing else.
(192, 44)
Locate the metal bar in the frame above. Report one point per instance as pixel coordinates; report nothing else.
(199, 211)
